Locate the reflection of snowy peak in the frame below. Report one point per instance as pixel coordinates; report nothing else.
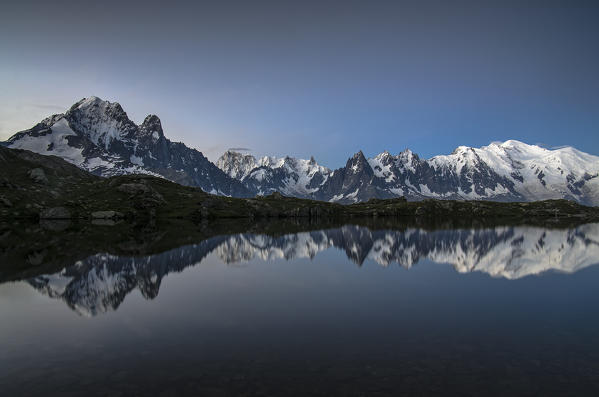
(98, 136)
(101, 282)
(529, 251)
(510, 252)
(505, 171)
(245, 247)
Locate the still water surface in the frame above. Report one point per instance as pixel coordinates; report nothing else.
(345, 311)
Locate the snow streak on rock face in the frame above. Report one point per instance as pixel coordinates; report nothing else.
(101, 282)
(98, 136)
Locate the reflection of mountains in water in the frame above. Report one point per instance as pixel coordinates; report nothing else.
(101, 282)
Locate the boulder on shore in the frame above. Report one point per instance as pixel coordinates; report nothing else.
(38, 175)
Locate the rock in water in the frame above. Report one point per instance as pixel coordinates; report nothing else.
(5, 202)
(55, 213)
(106, 215)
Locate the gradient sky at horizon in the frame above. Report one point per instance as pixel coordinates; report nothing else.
(313, 78)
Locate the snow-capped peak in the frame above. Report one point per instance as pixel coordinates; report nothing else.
(357, 163)
(236, 165)
(152, 126)
(384, 156)
(101, 121)
(90, 101)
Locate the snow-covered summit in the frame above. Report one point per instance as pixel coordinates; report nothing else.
(530, 171)
(236, 165)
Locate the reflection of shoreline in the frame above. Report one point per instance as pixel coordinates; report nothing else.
(100, 282)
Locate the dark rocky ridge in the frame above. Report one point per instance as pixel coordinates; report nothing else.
(356, 182)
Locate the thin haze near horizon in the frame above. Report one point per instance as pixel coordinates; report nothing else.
(313, 78)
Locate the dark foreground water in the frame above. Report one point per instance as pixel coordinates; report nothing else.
(342, 311)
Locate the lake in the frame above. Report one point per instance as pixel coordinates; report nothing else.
(353, 310)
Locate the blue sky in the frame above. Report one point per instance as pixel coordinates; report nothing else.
(322, 78)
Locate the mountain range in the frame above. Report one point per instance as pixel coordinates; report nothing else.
(508, 171)
(101, 282)
(98, 136)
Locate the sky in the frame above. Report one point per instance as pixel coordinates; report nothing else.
(317, 78)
